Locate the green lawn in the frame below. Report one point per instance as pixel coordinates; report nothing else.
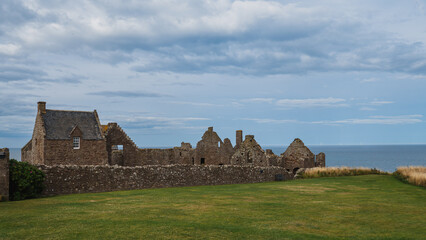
(361, 207)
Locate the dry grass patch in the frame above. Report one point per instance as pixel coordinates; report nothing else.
(306, 189)
(339, 171)
(415, 175)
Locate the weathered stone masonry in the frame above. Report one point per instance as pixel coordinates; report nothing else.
(83, 179)
(105, 158)
(54, 133)
(4, 174)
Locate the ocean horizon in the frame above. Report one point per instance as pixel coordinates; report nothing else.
(383, 157)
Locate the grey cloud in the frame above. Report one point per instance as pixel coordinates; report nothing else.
(13, 12)
(18, 73)
(233, 37)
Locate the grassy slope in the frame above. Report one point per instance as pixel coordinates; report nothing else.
(360, 207)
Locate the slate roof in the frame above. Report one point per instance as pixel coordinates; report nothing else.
(59, 124)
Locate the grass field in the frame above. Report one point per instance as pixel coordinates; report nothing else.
(360, 207)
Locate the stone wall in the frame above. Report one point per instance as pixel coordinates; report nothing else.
(298, 156)
(211, 150)
(83, 179)
(116, 136)
(249, 153)
(91, 152)
(4, 174)
(320, 160)
(27, 152)
(37, 156)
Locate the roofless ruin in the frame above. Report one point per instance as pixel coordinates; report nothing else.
(78, 138)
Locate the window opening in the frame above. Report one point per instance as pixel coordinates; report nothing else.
(76, 142)
(202, 161)
(117, 147)
(249, 160)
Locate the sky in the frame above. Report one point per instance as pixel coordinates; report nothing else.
(328, 72)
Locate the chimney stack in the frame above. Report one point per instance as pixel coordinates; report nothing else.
(41, 107)
(239, 138)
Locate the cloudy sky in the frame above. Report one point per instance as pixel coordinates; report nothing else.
(328, 72)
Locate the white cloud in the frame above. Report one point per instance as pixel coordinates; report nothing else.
(9, 49)
(379, 103)
(200, 104)
(159, 119)
(384, 120)
(274, 121)
(258, 100)
(367, 109)
(312, 102)
(372, 79)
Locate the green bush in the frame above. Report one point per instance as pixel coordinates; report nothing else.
(26, 181)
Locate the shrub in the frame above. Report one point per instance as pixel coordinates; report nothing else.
(412, 174)
(26, 181)
(339, 171)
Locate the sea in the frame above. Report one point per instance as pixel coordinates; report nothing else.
(383, 157)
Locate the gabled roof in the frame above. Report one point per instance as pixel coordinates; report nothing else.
(59, 124)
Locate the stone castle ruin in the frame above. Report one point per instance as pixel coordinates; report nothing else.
(79, 154)
(78, 138)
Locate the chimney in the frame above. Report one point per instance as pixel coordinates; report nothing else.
(210, 129)
(41, 107)
(239, 138)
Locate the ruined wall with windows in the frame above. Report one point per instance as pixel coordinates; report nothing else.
(78, 138)
(249, 153)
(212, 151)
(78, 154)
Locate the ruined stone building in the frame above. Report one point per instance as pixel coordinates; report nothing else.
(78, 138)
(249, 152)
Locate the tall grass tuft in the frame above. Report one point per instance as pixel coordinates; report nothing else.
(415, 175)
(339, 171)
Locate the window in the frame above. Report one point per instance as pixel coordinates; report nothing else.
(249, 160)
(202, 161)
(76, 142)
(117, 147)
